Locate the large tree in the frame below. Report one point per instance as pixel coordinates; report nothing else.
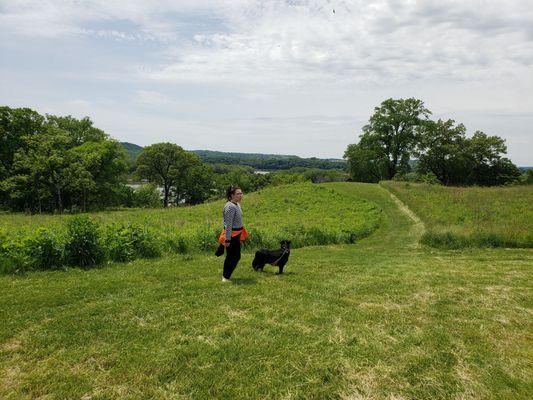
(166, 165)
(388, 140)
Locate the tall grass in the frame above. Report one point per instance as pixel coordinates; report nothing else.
(459, 217)
(306, 214)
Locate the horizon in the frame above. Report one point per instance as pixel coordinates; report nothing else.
(278, 77)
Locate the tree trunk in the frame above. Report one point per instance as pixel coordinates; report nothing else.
(59, 200)
(167, 190)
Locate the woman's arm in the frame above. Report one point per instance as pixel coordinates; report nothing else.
(229, 216)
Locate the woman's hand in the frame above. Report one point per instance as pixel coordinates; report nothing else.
(226, 244)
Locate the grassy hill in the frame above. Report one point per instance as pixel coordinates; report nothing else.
(457, 217)
(384, 318)
(304, 213)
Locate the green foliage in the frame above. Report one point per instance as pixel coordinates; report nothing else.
(526, 178)
(430, 178)
(387, 141)
(146, 196)
(166, 165)
(44, 250)
(308, 214)
(54, 163)
(399, 130)
(127, 242)
(84, 245)
(199, 185)
(270, 162)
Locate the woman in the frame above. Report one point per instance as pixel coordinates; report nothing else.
(233, 232)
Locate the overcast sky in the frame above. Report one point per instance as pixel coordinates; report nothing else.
(282, 77)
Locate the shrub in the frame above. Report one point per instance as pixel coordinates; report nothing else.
(83, 247)
(12, 256)
(429, 178)
(205, 239)
(128, 242)
(43, 250)
(144, 243)
(147, 196)
(118, 243)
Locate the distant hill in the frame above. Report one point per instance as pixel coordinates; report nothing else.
(132, 151)
(255, 160)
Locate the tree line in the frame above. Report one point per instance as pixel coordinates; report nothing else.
(55, 163)
(400, 131)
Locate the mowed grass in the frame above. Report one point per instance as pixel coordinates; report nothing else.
(381, 319)
(458, 217)
(305, 213)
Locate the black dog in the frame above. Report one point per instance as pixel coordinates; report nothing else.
(277, 258)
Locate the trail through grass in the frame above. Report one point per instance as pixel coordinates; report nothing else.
(459, 217)
(380, 319)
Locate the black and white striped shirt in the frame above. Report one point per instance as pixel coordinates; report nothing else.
(232, 216)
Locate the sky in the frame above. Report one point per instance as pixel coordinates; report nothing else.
(279, 77)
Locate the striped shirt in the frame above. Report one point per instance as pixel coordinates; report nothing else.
(232, 216)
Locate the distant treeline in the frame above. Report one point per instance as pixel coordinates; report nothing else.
(59, 163)
(267, 162)
(401, 130)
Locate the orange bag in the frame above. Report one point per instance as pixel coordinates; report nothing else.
(243, 232)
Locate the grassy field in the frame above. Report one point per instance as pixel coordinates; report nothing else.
(384, 318)
(458, 217)
(306, 214)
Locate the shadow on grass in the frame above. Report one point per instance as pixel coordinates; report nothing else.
(275, 273)
(244, 281)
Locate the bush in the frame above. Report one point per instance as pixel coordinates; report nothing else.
(206, 239)
(144, 243)
(83, 247)
(12, 256)
(128, 242)
(147, 196)
(429, 178)
(43, 250)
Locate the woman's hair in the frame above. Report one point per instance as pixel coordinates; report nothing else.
(230, 191)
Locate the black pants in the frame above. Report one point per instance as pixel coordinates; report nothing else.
(233, 255)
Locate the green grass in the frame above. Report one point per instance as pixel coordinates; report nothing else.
(305, 213)
(458, 217)
(381, 319)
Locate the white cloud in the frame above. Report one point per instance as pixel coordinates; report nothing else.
(225, 63)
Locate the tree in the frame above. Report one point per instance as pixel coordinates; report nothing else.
(80, 130)
(16, 123)
(388, 140)
(42, 163)
(487, 167)
(365, 164)
(441, 151)
(96, 169)
(199, 185)
(166, 165)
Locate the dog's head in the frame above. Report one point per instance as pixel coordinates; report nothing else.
(285, 244)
